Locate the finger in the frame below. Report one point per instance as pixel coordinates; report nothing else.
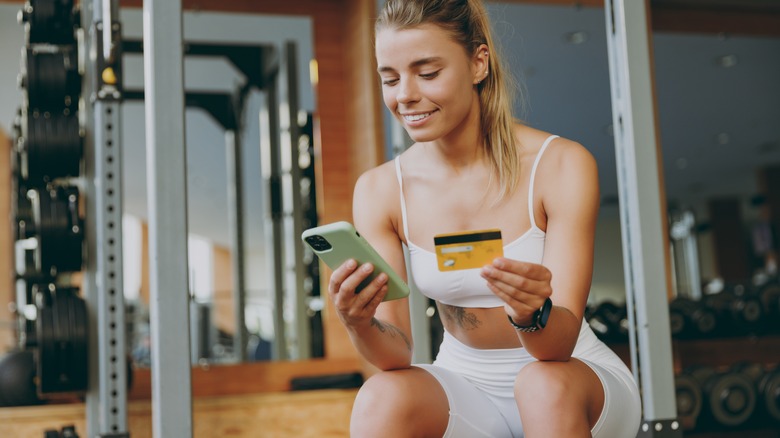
(512, 305)
(351, 284)
(533, 271)
(376, 300)
(509, 281)
(513, 296)
(340, 274)
(370, 291)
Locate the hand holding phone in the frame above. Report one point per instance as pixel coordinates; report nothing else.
(338, 242)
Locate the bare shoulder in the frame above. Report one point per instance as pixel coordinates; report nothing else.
(377, 182)
(372, 204)
(569, 155)
(562, 154)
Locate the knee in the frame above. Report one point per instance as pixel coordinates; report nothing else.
(383, 395)
(545, 384)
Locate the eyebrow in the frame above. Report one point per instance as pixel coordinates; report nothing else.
(413, 64)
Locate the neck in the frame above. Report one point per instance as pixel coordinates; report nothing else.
(464, 146)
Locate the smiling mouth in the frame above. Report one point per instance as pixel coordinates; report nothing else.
(416, 117)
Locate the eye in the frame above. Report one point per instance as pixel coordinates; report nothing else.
(389, 82)
(430, 75)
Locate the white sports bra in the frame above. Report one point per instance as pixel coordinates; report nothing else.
(466, 288)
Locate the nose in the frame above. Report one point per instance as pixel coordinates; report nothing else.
(407, 91)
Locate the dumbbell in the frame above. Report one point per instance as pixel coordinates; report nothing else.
(741, 312)
(729, 397)
(767, 385)
(769, 295)
(688, 396)
(691, 319)
(609, 321)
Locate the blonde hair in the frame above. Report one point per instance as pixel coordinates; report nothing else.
(467, 22)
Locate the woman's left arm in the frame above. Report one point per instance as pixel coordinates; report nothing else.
(570, 197)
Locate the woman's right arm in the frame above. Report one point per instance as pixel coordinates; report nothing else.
(381, 332)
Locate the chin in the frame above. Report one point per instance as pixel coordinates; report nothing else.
(422, 136)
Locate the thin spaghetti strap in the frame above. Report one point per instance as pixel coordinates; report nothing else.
(401, 190)
(533, 175)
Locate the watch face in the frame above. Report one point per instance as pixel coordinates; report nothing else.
(545, 313)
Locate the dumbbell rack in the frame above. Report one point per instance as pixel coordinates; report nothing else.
(721, 353)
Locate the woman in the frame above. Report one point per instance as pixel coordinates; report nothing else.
(517, 359)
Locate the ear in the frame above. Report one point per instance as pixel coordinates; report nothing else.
(480, 63)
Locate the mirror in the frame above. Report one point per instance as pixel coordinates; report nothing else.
(212, 165)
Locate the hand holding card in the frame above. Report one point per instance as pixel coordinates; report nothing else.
(467, 249)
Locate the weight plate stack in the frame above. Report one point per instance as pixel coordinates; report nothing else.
(52, 148)
(49, 21)
(62, 341)
(58, 231)
(52, 80)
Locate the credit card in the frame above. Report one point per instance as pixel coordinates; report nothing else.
(467, 249)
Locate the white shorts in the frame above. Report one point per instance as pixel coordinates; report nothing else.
(480, 388)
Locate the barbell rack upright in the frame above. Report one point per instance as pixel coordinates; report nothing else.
(106, 401)
(167, 210)
(642, 214)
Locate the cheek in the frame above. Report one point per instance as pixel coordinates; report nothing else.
(388, 95)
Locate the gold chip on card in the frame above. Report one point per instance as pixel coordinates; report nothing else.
(467, 249)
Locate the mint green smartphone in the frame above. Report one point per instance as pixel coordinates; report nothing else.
(337, 242)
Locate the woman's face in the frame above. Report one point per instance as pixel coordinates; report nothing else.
(428, 80)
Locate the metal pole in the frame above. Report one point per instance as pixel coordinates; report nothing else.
(641, 213)
(235, 201)
(271, 166)
(293, 202)
(106, 402)
(167, 201)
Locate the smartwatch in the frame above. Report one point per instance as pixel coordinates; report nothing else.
(538, 320)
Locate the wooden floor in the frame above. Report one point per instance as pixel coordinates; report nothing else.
(323, 413)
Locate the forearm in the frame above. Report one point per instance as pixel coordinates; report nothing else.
(557, 340)
(382, 344)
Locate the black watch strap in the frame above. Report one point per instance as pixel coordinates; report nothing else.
(538, 321)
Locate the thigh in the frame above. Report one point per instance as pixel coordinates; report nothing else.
(472, 412)
(622, 411)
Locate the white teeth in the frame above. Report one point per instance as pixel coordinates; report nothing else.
(416, 117)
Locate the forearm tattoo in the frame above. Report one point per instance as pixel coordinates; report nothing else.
(392, 331)
(460, 316)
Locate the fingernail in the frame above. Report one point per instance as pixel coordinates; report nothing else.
(351, 264)
(381, 279)
(367, 267)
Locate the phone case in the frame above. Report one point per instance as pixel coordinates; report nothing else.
(339, 241)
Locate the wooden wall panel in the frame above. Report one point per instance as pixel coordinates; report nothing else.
(7, 338)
